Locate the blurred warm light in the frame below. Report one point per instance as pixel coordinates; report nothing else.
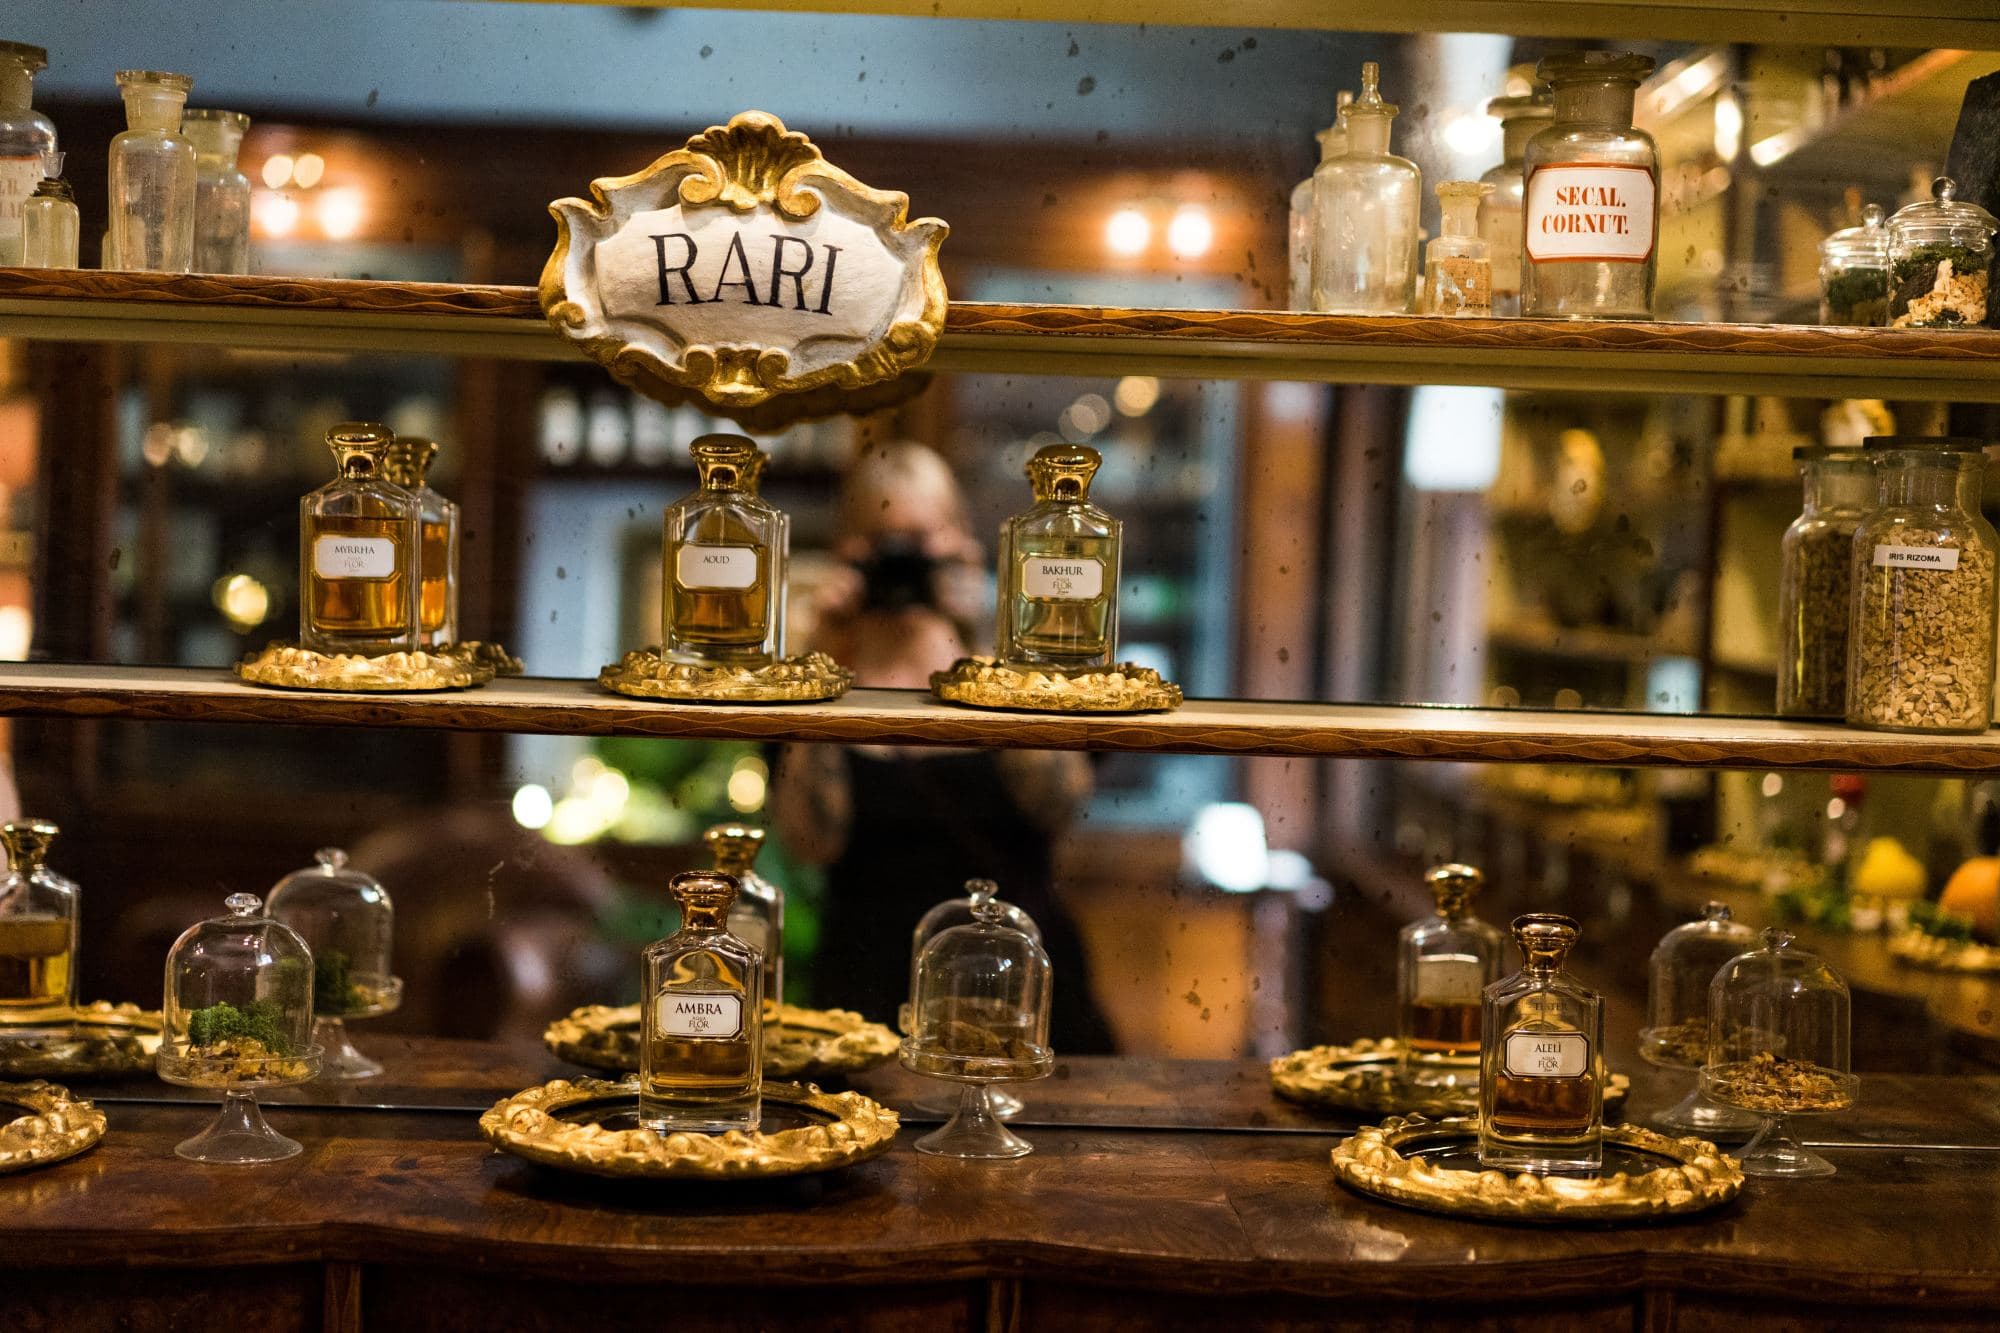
(341, 213)
(277, 170)
(1136, 395)
(243, 601)
(275, 214)
(749, 779)
(190, 445)
(1835, 808)
(1568, 698)
(1128, 233)
(533, 806)
(1471, 133)
(17, 632)
(573, 821)
(157, 445)
(1226, 847)
(308, 169)
(1452, 439)
(1773, 784)
(1728, 127)
(608, 794)
(1190, 233)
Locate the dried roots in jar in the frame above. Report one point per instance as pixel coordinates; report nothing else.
(1923, 645)
(1940, 286)
(1768, 1082)
(1812, 679)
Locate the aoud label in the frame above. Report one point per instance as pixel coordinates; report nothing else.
(1590, 212)
(1065, 579)
(699, 1015)
(1916, 557)
(337, 557)
(715, 566)
(1546, 1054)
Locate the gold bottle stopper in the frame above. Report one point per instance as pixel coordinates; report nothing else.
(735, 846)
(408, 462)
(1454, 886)
(1063, 471)
(704, 895)
(27, 842)
(1545, 939)
(727, 462)
(360, 447)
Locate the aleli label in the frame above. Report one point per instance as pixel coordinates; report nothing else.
(699, 1015)
(1596, 212)
(1916, 557)
(716, 566)
(1070, 579)
(1546, 1054)
(338, 557)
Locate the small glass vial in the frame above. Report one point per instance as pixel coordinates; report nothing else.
(152, 176)
(1541, 1084)
(701, 1053)
(221, 190)
(757, 917)
(1676, 1033)
(1458, 264)
(1940, 252)
(50, 227)
(408, 464)
(1299, 232)
(27, 137)
(1854, 270)
(358, 542)
(725, 563)
(1365, 202)
(1444, 962)
(1521, 118)
(1591, 208)
(346, 919)
(1920, 649)
(1059, 563)
(1816, 581)
(38, 923)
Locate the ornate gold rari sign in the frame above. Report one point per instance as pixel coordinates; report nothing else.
(749, 272)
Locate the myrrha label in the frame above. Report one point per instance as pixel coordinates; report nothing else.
(342, 557)
(1590, 212)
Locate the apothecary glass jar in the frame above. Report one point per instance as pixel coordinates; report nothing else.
(1940, 250)
(27, 138)
(1920, 651)
(1854, 273)
(221, 190)
(50, 227)
(152, 176)
(1365, 210)
(1592, 208)
(347, 920)
(1683, 965)
(1521, 118)
(1816, 581)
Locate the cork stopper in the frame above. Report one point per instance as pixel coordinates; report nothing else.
(1454, 886)
(1063, 471)
(1545, 939)
(735, 846)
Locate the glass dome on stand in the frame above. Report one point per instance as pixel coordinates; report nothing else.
(958, 912)
(979, 1015)
(236, 1017)
(1676, 1033)
(1778, 1037)
(346, 919)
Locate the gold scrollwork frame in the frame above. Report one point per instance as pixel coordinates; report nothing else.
(99, 1040)
(56, 1126)
(798, 1042)
(982, 682)
(1363, 1077)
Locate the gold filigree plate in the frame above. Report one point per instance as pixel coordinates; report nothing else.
(798, 1042)
(1433, 1165)
(562, 1124)
(285, 666)
(97, 1040)
(1920, 949)
(51, 1125)
(1361, 1078)
(479, 653)
(645, 674)
(981, 682)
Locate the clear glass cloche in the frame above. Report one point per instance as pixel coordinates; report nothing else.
(959, 912)
(1779, 1023)
(1683, 964)
(347, 920)
(237, 1016)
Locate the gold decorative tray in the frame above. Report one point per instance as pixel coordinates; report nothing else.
(52, 1126)
(981, 682)
(1920, 949)
(591, 1126)
(1433, 1165)
(645, 674)
(288, 667)
(89, 1041)
(1361, 1077)
(798, 1042)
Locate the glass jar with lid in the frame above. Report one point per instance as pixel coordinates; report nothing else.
(221, 190)
(27, 137)
(961, 912)
(237, 1016)
(1365, 209)
(1521, 119)
(1301, 223)
(1444, 962)
(50, 226)
(1458, 263)
(1676, 1033)
(1920, 649)
(346, 919)
(38, 929)
(152, 175)
(1940, 251)
(1854, 273)
(1778, 1045)
(1816, 581)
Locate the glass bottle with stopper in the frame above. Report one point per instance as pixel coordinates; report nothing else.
(1458, 265)
(1541, 1078)
(1302, 224)
(1521, 118)
(38, 928)
(221, 190)
(237, 1016)
(725, 563)
(1854, 266)
(701, 1054)
(346, 919)
(1365, 202)
(152, 176)
(50, 227)
(1676, 1033)
(358, 543)
(27, 140)
(1779, 1028)
(979, 1015)
(1444, 963)
(408, 464)
(1940, 256)
(757, 917)
(1059, 564)
(979, 893)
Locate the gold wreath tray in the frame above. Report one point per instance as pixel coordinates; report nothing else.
(1362, 1077)
(52, 1126)
(286, 666)
(981, 682)
(1432, 1165)
(561, 1124)
(798, 1042)
(1919, 949)
(88, 1041)
(645, 674)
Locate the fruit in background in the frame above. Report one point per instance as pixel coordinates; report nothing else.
(1887, 871)
(1973, 892)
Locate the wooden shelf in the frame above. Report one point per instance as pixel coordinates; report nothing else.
(983, 337)
(910, 717)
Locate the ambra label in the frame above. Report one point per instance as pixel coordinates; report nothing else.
(1449, 978)
(699, 1015)
(716, 566)
(338, 557)
(1546, 1054)
(1594, 212)
(1070, 579)
(1916, 557)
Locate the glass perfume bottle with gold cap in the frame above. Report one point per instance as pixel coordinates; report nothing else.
(1059, 568)
(725, 553)
(409, 465)
(757, 917)
(38, 919)
(1444, 963)
(701, 1054)
(358, 552)
(1541, 1083)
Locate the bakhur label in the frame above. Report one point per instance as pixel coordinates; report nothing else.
(354, 557)
(1449, 978)
(699, 1015)
(1916, 557)
(1547, 1054)
(1600, 211)
(716, 566)
(1072, 580)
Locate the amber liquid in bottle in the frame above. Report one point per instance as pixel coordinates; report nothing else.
(725, 620)
(435, 562)
(34, 961)
(1061, 624)
(1558, 1107)
(1444, 1029)
(701, 1056)
(367, 605)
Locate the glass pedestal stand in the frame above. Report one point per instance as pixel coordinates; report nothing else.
(1005, 1105)
(1772, 1150)
(343, 1060)
(974, 1130)
(239, 1136)
(1695, 1114)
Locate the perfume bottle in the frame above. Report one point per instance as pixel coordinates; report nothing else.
(1541, 1086)
(50, 229)
(27, 137)
(1458, 267)
(408, 464)
(221, 190)
(1299, 232)
(701, 1054)
(358, 538)
(153, 175)
(757, 917)
(1364, 253)
(38, 918)
(1521, 118)
(1059, 567)
(725, 563)
(1444, 963)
